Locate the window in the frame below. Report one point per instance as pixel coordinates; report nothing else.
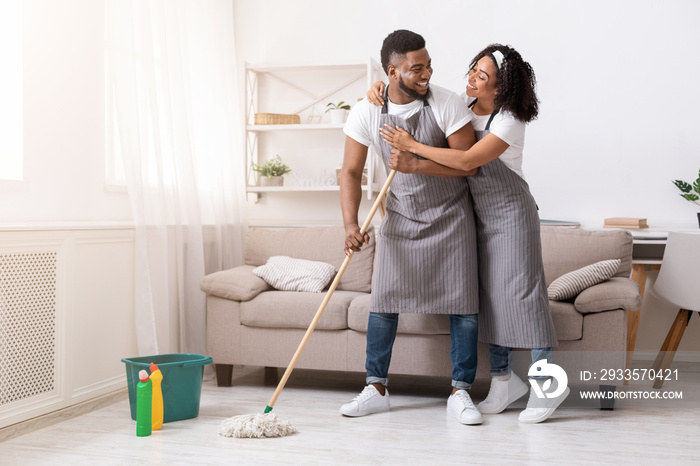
(11, 130)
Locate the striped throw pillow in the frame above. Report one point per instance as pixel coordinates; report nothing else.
(571, 284)
(289, 274)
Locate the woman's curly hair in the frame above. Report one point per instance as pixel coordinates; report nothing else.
(515, 85)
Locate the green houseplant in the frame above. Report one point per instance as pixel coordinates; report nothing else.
(339, 106)
(690, 192)
(338, 111)
(271, 172)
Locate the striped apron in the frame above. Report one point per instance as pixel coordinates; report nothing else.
(514, 307)
(426, 253)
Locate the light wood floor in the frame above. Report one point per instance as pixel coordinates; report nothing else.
(415, 431)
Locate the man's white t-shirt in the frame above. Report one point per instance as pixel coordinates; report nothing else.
(363, 121)
(508, 129)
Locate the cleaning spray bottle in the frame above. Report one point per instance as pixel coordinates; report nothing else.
(157, 401)
(144, 393)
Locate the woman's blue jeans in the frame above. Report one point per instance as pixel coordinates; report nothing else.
(501, 358)
(381, 333)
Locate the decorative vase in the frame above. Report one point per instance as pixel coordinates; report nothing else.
(698, 219)
(271, 180)
(338, 116)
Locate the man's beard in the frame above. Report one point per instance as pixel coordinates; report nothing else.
(412, 93)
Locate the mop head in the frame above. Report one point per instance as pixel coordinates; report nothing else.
(256, 426)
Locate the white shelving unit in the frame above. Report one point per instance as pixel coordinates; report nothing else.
(303, 90)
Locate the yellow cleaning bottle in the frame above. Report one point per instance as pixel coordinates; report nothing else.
(157, 404)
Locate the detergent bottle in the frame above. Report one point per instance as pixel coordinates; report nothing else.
(157, 401)
(144, 393)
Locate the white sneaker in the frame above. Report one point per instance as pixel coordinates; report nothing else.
(369, 401)
(502, 393)
(460, 407)
(539, 409)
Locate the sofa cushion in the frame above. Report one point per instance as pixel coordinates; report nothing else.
(571, 284)
(564, 250)
(290, 274)
(567, 321)
(616, 293)
(323, 244)
(294, 309)
(417, 324)
(238, 284)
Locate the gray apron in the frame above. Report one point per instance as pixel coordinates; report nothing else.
(514, 307)
(426, 253)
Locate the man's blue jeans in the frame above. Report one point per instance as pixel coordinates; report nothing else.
(381, 333)
(501, 358)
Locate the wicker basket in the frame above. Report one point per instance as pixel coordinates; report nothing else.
(276, 119)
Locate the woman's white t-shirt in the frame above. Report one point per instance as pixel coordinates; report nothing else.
(508, 129)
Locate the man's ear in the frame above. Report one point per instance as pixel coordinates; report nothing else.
(391, 71)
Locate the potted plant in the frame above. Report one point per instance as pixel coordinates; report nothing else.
(338, 112)
(271, 172)
(690, 192)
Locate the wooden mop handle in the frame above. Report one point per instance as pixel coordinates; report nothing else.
(324, 303)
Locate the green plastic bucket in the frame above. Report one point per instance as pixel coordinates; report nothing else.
(182, 382)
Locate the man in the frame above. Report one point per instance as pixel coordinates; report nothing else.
(426, 252)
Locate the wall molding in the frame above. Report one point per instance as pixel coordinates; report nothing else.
(96, 253)
(99, 388)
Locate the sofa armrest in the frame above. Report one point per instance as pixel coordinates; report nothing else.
(238, 284)
(615, 293)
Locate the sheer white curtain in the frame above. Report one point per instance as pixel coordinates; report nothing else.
(172, 101)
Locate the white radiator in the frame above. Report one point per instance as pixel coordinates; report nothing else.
(28, 326)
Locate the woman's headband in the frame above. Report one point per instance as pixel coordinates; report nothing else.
(499, 58)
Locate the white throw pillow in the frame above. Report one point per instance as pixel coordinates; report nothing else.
(289, 274)
(571, 284)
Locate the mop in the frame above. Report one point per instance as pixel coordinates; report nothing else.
(267, 424)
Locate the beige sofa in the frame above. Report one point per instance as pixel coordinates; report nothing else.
(249, 323)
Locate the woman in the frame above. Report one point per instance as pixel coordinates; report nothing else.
(514, 308)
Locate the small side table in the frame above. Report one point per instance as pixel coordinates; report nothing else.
(639, 275)
(647, 252)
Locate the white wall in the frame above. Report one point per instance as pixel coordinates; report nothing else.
(607, 71)
(618, 104)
